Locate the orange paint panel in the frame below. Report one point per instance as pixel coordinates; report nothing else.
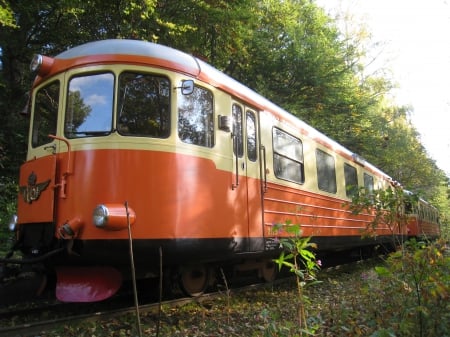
(428, 229)
(413, 226)
(173, 195)
(318, 215)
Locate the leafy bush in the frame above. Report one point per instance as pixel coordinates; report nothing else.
(411, 293)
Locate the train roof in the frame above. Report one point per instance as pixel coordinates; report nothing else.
(115, 50)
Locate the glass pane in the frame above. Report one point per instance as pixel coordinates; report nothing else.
(287, 169)
(252, 153)
(287, 145)
(351, 180)
(144, 105)
(45, 114)
(237, 130)
(368, 183)
(326, 173)
(288, 157)
(196, 117)
(89, 106)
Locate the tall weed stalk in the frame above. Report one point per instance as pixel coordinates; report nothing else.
(297, 255)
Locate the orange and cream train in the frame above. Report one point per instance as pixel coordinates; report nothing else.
(139, 150)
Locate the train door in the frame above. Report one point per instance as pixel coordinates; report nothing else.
(38, 173)
(247, 182)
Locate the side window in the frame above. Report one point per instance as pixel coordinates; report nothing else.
(252, 152)
(89, 106)
(409, 207)
(196, 117)
(143, 105)
(287, 157)
(351, 180)
(368, 183)
(326, 172)
(45, 114)
(238, 146)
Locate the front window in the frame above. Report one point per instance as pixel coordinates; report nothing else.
(45, 114)
(89, 106)
(144, 105)
(196, 117)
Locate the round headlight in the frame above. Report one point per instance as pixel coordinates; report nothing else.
(36, 63)
(113, 216)
(13, 223)
(100, 216)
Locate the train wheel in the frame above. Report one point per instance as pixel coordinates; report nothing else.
(268, 271)
(194, 280)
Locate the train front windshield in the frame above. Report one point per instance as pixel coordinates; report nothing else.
(89, 107)
(143, 107)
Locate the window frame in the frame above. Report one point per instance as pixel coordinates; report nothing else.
(209, 140)
(326, 173)
(237, 113)
(252, 149)
(350, 189)
(38, 137)
(89, 133)
(369, 187)
(284, 159)
(155, 130)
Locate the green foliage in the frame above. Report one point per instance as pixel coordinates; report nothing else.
(442, 201)
(6, 15)
(301, 261)
(411, 292)
(386, 206)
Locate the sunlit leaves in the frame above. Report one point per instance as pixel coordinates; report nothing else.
(6, 15)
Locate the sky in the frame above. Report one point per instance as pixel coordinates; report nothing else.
(415, 39)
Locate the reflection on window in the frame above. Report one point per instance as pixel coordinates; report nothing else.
(89, 106)
(252, 154)
(143, 105)
(368, 183)
(287, 157)
(351, 180)
(326, 172)
(237, 130)
(196, 117)
(45, 114)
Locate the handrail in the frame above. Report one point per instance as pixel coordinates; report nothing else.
(69, 166)
(264, 185)
(235, 149)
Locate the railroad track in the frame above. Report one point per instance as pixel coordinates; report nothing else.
(20, 326)
(36, 327)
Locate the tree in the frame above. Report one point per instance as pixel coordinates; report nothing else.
(289, 51)
(6, 15)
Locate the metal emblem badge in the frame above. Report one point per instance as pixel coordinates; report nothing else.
(33, 190)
